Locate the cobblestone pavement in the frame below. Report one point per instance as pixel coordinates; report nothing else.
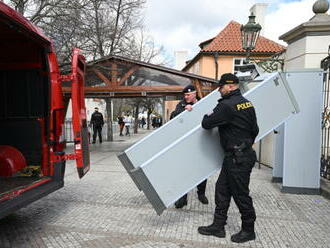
(105, 209)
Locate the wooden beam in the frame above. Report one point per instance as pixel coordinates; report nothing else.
(102, 77)
(140, 89)
(198, 87)
(114, 74)
(128, 74)
(128, 94)
(129, 89)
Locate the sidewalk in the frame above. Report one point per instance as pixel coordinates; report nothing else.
(105, 209)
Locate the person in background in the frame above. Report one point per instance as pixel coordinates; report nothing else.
(128, 122)
(121, 124)
(143, 122)
(97, 123)
(189, 99)
(153, 122)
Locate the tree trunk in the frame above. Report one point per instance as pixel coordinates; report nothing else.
(116, 28)
(20, 7)
(136, 118)
(148, 118)
(98, 31)
(109, 119)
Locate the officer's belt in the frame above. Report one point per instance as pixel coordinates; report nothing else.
(233, 152)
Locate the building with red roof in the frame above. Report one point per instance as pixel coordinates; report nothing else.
(222, 53)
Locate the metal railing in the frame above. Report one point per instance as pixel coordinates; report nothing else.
(68, 131)
(325, 134)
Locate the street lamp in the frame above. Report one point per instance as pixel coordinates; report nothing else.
(250, 33)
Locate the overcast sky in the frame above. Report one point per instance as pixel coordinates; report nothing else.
(182, 24)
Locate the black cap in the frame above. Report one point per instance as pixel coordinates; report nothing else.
(189, 89)
(228, 78)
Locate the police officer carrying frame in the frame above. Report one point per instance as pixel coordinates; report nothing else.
(97, 123)
(189, 94)
(236, 120)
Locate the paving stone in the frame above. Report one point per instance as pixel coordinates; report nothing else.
(105, 209)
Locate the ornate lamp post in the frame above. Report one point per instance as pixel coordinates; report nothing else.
(250, 33)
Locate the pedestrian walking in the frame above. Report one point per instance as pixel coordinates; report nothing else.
(128, 122)
(143, 122)
(121, 124)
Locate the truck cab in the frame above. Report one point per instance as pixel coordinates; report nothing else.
(32, 112)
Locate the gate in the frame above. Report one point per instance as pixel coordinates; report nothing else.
(325, 138)
(68, 131)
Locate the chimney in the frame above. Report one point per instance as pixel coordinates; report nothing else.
(259, 10)
(180, 59)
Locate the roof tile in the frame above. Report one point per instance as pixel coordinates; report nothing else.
(229, 40)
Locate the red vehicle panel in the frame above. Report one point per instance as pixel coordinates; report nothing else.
(32, 114)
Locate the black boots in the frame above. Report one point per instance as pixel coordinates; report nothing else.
(213, 229)
(243, 236)
(218, 230)
(246, 234)
(181, 202)
(203, 199)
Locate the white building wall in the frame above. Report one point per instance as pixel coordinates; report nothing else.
(90, 105)
(259, 10)
(180, 59)
(306, 52)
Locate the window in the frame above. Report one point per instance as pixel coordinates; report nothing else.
(196, 68)
(238, 61)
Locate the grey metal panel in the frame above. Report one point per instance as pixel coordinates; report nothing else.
(129, 167)
(278, 154)
(169, 133)
(184, 164)
(302, 139)
(274, 103)
(149, 190)
(180, 155)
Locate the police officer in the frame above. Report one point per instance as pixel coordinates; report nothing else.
(189, 95)
(237, 124)
(97, 123)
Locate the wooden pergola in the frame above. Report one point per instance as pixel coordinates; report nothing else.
(119, 77)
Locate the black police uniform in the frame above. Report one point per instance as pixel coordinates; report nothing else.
(236, 120)
(201, 188)
(97, 123)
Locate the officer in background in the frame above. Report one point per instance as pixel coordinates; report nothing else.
(235, 118)
(189, 94)
(97, 124)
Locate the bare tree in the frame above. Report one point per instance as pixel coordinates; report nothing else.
(150, 104)
(141, 46)
(44, 11)
(59, 19)
(99, 27)
(109, 24)
(135, 104)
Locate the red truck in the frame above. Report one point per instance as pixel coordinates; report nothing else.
(32, 112)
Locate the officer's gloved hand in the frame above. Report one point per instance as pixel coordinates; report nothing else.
(188, 107)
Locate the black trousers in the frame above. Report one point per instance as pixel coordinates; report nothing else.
(121, 128)
(97, 130)
(200, 190)
(234, 182)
